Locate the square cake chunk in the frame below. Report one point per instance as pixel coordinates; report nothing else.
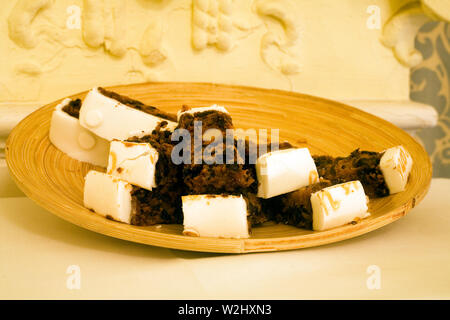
(133, 162)
(285, 171)
(112, 116)
(108, 196)
(339, 204)
(221, 216)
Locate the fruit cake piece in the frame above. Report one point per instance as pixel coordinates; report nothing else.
(237, 177)
(294, 208)
(113, 116)
(70, 137)
(118, 200)
(284, 171)
(380, 173)
(133, 162)
(109, 196)
(320, 206)
(396, 164)
(338, 205)
(201, 176)
(258, 208)
(163, 203)
(220, 216)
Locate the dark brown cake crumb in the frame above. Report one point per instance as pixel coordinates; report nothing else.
(235, 178)
(135, 104)
(154, 207)
(203, 178)
(163, 203)
(359, 165)
(257, 212)
(73, 108)
(211, 119)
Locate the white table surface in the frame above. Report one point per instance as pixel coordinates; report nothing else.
(412, 254)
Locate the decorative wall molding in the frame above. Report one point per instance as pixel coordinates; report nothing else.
(151, 47)
(400, 30)
(19, 21)
(212, 24)
(277, 52)
(102, 25)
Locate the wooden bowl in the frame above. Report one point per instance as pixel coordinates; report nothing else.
(55, 181)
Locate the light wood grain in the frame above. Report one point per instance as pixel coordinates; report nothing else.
(55, 181)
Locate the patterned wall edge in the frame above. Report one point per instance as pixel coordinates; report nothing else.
(430, 84)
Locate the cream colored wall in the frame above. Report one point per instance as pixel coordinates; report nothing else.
(336, 54)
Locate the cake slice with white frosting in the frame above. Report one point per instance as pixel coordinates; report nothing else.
(109, 196)
(284, 171)
(220, 216)
(70, 137)
(381, 173)
(112, 116)
(338, 205)
(133, 162)
(396, 164)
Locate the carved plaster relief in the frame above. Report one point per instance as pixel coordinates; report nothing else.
(151, 49)
(103, 24)
(97, 24)
(277, 50)
(212, 24)
(401, 29)
(20, 19)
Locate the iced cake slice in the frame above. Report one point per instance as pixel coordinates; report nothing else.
(220, 216)
(113, 116)
(133, 162)
(381, 173)
(284, 171)
(118, 200)
(70, 137)
(294, 208)
(163, 203)
(338, 205)
(109, 196)
(320, 206)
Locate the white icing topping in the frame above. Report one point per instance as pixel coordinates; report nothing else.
(94, 118)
